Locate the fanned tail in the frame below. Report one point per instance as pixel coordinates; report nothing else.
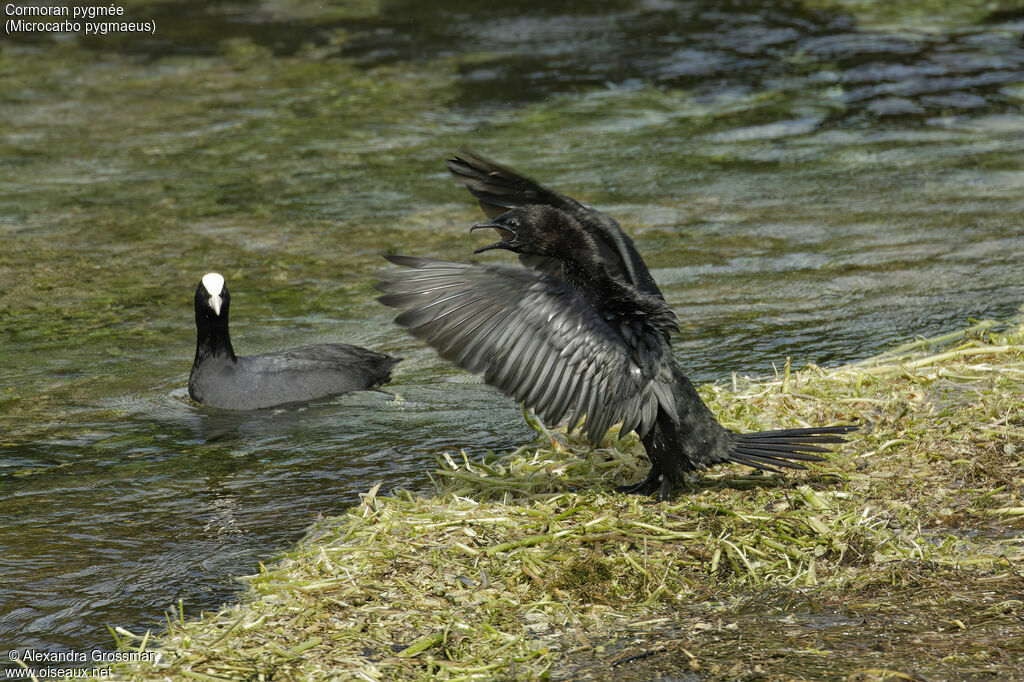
(769, 450)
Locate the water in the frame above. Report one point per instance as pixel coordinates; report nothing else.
(816, 180)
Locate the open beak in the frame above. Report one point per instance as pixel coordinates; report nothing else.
(508, 237)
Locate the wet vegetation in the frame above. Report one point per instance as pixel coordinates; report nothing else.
(898, 559)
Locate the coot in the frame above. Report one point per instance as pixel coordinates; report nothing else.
(219, 378)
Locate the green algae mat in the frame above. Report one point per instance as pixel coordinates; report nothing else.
(897, 559)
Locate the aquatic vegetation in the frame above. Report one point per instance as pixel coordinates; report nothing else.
(522, 567)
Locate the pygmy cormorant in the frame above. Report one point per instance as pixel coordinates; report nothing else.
(586, 332)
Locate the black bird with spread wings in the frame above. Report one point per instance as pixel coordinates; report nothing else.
(583, 331)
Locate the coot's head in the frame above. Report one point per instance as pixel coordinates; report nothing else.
(532, 229)
(212, 298)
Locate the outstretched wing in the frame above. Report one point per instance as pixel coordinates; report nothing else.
(531, 336)
(499, 189)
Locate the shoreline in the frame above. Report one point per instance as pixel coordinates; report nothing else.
(892, 560)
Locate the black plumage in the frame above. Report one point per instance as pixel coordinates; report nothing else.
(219, 378)
(499, 189)
(586, 333)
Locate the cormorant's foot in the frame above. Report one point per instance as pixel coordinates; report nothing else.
(648, 486)
(665, 489)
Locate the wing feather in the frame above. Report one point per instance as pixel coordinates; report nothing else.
(530, 335)
(499, 188)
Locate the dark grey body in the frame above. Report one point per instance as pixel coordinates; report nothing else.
(299, 374)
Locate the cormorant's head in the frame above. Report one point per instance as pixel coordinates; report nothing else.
(533, 229)
(212, 298)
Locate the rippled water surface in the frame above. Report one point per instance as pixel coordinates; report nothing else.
(818, 180)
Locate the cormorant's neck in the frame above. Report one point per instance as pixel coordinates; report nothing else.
(580, 256)
(212, 339)
(612, 298)
(583, 270)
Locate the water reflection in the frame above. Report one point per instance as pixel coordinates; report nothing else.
(531, 51)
